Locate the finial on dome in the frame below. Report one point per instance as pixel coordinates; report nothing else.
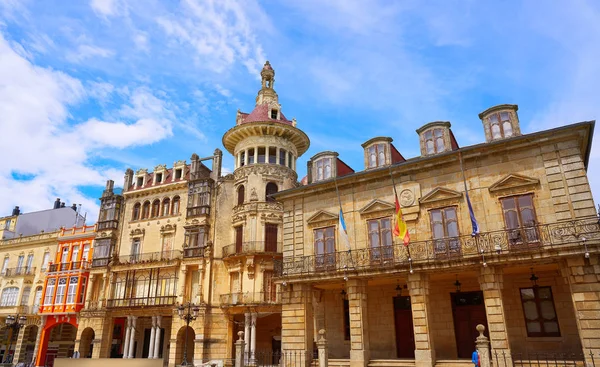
(268, 76)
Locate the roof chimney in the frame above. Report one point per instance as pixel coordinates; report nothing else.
(16, 211)
(74, 207)
(57, 203)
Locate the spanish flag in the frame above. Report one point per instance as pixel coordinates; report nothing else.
(400, 229)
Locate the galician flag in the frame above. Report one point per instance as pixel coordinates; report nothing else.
(400, 229)
(342, 233)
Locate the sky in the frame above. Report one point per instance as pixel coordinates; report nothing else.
(90, 88)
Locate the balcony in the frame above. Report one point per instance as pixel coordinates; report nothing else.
(109, 224)
(142, 302)
(149, 257)
(70, 266)
(252, 247)
(100, 262)
(249, 298)
(191, 252)
(198, 210)
(19, 272)
(493, 246)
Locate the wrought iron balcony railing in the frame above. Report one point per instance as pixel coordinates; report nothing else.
(109, 224)
(250, 298)
(74, 265)
(536, 238)
(142, 301)
(20, 271)
(252, 247)
(193, 252)
(100, 262)
(149, 257)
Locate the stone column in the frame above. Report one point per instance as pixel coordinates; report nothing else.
(267, 154)
(253, 337)
(247, 335)
(246, 157)
(157, 337)
(126, 341)
(240, 346)
(483, 347)
(277, 154)
(89, 290)
(297, 320)
(322, 348)
(181, 284)
(287, 159)
(491, 283)
(418, 287)
(583, 277)
(359, 326)
(132, 337)
(152, 334)
(255, 155)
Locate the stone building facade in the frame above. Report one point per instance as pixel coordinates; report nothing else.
(530, 274)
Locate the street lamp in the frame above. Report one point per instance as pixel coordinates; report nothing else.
(188, 313)
(13, 323)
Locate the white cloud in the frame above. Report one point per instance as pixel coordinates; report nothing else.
(222, 91)
(140, 39)
(43, 146)
(85, 52)
(108, 7)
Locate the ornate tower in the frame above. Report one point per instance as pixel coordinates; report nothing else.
(265, 145)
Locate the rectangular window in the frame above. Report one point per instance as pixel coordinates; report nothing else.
(20, 263)
(235, 283)
(242, 158)
(323, 169)
(434, 141)
(270, 237)
(49, 291)
(251, 156)
(86, 252)
(45, 260)
(380, 240)
(444, 230)
(60, 291)
(140, 182)
(7, 224)
(83, 289)
(159, 177)
(346, 319)
(261, 155)
(272, 155)
(9, 296)
(4, 265)
(539, 312)
(75, 254)
(520, 221)
(72, 291)
(324, 240)
(196, 237)
(269, 288)
(274, 114)
(290, 159)
(29, 268)
(136, 247)
(178, 173)
(500, 125)
(239, 236)
(282, 154)
(64, 258)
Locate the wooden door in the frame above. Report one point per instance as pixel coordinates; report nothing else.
(270, 237)
(405, 335)
(239, 231)
(468, 311)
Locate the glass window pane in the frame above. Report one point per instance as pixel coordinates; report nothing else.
(504, 116)
(430, 149)
(507, 127)
(525, 201)
(528, 217)
(544, 293)
(493, 119)
(439, 144)
(527, 293)
(530, 309)
(374, 239)
(508, 203)
(547, 309)
(428, 135)
(512, 220)
(551, 327)
(385, 223)
(438, 230)
(496, 132)
(534, 327)
(450, 214)
(437, 133)
(436, 215)
(452, 229)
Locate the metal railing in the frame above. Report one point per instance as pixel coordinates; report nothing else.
(544, 359)
(252, 247)
(198, 210)
(99, 262)
(109, 224)
(537, 238)
(21, 271)
(193, 252)
(289, 358)
(69, 266)
(149, 257)
(142, 301)
(250, 298)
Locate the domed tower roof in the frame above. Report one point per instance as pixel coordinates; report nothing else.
(266, 118)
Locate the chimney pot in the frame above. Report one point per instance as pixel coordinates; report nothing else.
(74, 207)
(16, 211)
(57, 203)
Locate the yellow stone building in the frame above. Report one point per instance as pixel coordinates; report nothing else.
(261, 252)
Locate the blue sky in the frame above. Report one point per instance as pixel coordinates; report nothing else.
(90, 88)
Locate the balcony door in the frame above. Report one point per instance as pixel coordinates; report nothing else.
(380, 240)
(239, 233)
(324, 248)
(405, 335)
(167, 246)
(520, 221)
(270, 237)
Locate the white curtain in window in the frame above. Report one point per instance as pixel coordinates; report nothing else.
(9, 296)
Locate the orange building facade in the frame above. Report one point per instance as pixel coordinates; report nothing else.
(64, 294)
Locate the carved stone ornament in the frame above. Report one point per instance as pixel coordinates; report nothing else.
(407, 198)
(137, 232)
(253, 195)
(265, 170)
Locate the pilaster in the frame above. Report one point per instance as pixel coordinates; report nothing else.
(418, 286)
(359, 326)
(491, 283)
(297, 319)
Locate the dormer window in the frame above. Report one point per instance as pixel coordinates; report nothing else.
(500, 125)
(377, 152)
(140, 182)
(434, 141)
(274, 114)
(178, 173)
(159, 178)
(323, 169)
(376, 155)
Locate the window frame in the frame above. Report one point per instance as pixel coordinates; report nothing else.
(522, 235)
(241, 195)
(269, 191)
(446, 245)
(434, 139)
(500, 123)
(9, 296)
(175, 205)
(380, 253)
(325, 260)
(377, 152)
(537, 300)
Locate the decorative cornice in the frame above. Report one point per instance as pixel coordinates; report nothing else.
(513, 181)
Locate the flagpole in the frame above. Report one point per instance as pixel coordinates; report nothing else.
(337, 192)
(396, 197)
(474, 234)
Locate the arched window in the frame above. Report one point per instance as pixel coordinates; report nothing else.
(136, 211)
(146, 210)
(25, 296)
(270, 190)
(175, 209)
(155, 208)
(166, 207)
(9, 296)
(241, 193)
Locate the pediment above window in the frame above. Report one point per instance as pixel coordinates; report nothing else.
(322, 218)
(440, 194)
(137, 232)
(377, 207)
(513, 181)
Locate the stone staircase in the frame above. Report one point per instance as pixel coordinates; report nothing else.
(391, 363)
(453, 363)
(338, 363)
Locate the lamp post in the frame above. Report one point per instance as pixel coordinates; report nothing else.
(188, 313)
(13, 324)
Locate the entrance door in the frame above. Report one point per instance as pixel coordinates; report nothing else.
(51, 354)
(468, 311)
(405, 335)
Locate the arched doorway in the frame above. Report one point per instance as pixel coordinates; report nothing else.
(181, 339)
(28, 345)
(57, 341)
(86, 347)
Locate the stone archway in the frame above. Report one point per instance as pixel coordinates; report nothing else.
(57, 341)
(85, 345)
(181, 337)
(27, 344)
